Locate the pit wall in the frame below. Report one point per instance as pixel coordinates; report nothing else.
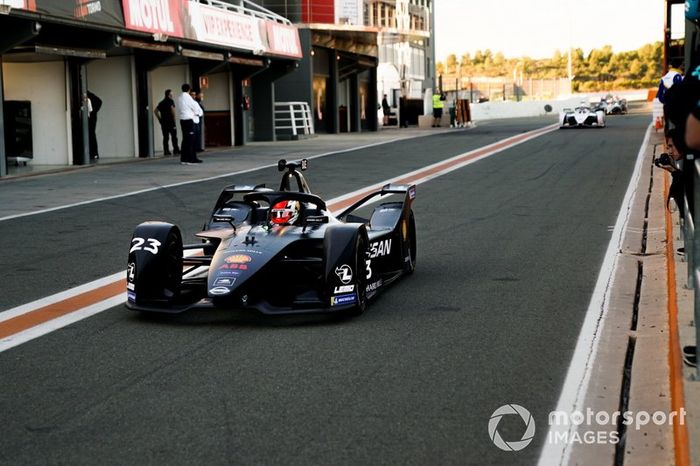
(507, 109)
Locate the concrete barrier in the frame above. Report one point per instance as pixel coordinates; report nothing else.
(493, 110)
(509, 109)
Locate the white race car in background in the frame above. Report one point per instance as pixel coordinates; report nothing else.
(582, 117)
(616, 106)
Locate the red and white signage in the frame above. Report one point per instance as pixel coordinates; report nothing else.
(157, 16)
(219, 26)
(214, 25)
(283, 39)
(20, 4)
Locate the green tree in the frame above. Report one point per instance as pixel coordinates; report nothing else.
(602, 69)
(451, 64)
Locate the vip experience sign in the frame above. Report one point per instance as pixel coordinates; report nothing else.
(223, 27)
(212, 25)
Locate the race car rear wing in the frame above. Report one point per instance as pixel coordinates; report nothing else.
(230, 192)
(409, 192)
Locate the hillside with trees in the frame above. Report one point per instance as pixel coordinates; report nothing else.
(600, 70)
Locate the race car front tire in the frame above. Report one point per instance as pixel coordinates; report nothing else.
(154, 271)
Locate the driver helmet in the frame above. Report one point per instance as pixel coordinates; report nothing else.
(285, 212)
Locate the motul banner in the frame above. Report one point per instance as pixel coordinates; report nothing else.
(165, 17)
(283, 39)
(106, 12)
(187, 19)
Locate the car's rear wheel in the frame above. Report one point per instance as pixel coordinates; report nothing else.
(360, 273)
(410, 241)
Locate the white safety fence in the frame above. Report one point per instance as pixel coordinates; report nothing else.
(293, 119)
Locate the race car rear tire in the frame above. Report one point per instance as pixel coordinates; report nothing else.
(154, 274)
(410, 246)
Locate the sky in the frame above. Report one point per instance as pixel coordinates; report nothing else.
(536, 28)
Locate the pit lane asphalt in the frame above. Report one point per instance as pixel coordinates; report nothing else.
(508, 253)
(60, 249)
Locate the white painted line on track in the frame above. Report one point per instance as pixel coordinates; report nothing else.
(414, 177)
(578, 376)
(60, 322)
(49, 300)
(487, 149)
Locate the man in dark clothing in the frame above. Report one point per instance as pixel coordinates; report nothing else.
(95, 104)
(165, 112)
(681, 110)
(386, 110)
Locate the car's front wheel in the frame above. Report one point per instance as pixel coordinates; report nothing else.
(154, 268)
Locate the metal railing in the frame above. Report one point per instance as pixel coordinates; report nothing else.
(247, 7)
(690, 171)
(293, 118)
(689, 219)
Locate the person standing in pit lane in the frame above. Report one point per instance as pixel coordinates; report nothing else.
(165, 112)
(190, 113)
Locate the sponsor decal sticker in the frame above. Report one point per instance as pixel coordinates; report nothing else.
(380, 248)
(317, 220)
(247, 251)
(131, 296)
(344, 272)
(224, 281)
(87, 8)
(412, 192)
(343, 299)
(238, 259)
(374, 286)
(219, 290)
(131, 272)
(344, 289)
(233, 267)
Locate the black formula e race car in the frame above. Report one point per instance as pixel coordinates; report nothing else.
(278, 252)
